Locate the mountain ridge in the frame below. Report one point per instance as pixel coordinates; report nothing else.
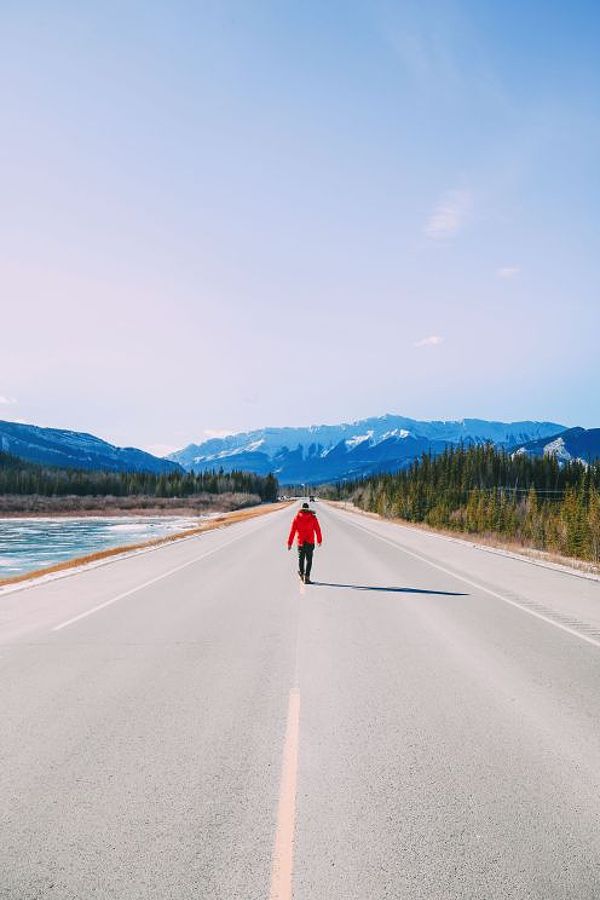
(318, 453)
(582, 444)
(76, 450)
(311, 454)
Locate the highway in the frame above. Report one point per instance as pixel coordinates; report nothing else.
(193, 722)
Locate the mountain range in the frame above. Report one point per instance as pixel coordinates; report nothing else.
(311, 455)
(76, 450)
(330, 452)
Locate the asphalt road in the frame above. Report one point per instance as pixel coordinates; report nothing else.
(193, 722)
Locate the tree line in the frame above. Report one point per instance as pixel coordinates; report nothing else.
(24, 478)
(537, 502)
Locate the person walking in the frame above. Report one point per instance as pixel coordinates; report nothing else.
(306, 526)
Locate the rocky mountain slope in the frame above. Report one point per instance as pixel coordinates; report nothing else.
(76, 450)
(569, 444)
(329, 452)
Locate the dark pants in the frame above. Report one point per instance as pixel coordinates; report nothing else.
(305, 555)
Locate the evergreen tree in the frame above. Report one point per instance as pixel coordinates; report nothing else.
(481, 489)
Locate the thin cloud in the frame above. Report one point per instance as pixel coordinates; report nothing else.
(7, 401)
(449, 215)
(434, 340)
(508, 272)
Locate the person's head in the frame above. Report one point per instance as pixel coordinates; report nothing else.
(305, 506)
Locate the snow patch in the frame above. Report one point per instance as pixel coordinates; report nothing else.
(255, 445)
(395, 432)
(225, 454)
(358, 439)
(558, 449)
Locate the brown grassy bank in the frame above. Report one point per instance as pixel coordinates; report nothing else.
(494, 541)
(229, 518)
(17, 505)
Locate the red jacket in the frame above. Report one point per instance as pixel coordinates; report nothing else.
(306, 526)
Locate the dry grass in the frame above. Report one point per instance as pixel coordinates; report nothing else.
(224, 520)
(485, 540)
(25, 505)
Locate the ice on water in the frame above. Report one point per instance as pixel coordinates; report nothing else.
(29, 544)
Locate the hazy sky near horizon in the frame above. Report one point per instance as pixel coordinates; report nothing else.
(223, 215)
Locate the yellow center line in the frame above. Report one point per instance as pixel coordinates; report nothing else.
(283, 851)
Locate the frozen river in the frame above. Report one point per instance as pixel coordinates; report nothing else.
(29, 544)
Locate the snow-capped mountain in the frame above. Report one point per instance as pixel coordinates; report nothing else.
(76, 450)
(569, 444)
(326, 452)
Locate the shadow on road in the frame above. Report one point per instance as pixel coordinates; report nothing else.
(395, 590)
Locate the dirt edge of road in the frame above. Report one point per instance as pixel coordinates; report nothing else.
(222, 521)
(482, 542)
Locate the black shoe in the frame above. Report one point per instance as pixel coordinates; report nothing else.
(301, 576)
(307, 580)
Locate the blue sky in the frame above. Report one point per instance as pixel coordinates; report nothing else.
(223, 215)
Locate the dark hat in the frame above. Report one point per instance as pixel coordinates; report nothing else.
(305, 506)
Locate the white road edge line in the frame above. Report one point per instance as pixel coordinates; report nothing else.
(40, 581)
(561, 568)
(145, 584)
(481, 587)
